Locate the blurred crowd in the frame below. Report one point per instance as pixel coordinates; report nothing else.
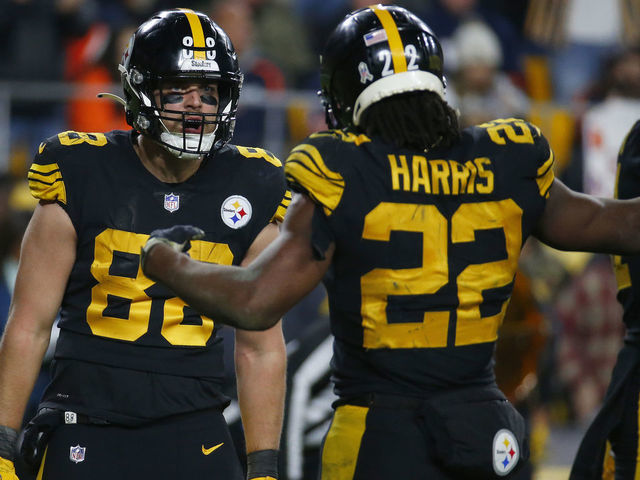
(572, 67)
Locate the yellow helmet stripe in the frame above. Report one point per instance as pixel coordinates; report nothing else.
(196, 33)
(393, 36)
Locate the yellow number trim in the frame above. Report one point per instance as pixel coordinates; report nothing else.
(250, 152)
(471, 327)
(433, 274)
(70, 137)
(381, 282)
(133, 290)
(501, 128)
(137, 324)
(193, 335)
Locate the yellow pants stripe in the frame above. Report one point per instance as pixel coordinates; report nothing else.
(342, 444)
(41, 470)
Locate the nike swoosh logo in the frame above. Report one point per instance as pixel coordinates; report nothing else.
(41, 147)
(207, 451)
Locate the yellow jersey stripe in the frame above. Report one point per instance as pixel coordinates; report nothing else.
(317, 162)
(306, 168)
(342, 443)
(46, 183)
(393, 36)
(196, 33)
(282, 208)
(615, 190)
(545, 176)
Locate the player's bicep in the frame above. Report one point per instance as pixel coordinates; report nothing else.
(575, 221)
(288, 268)
(47, 255)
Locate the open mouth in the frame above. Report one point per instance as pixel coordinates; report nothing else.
(192, 125)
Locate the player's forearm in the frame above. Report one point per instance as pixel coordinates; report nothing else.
(227, 293)
(261, 380)
(21, 354)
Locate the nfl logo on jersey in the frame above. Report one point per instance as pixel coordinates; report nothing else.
(171, 202)
(76, 454)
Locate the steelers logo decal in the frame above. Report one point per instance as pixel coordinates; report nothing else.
(506, 452)
(236, 211)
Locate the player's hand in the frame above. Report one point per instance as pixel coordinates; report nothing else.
(178, 238)
(7, 470)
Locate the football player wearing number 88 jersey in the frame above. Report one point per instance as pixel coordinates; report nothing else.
(416, 228)
(138, 372)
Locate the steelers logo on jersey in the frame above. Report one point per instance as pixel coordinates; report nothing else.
(236, 211)
(506, 452)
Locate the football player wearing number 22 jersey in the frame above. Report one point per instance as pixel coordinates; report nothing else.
(416, 228)
(136, 384)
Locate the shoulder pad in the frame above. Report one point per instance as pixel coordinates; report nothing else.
(254, 152)
(307, 172)
(529, 146)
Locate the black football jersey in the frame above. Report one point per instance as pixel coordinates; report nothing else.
(112, 316)
(427, 247)
(627, 268)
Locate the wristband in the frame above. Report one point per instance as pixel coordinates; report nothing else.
(262, 463)
(8, 438)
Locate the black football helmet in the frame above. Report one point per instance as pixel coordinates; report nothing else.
(173, 46)
(374, 53)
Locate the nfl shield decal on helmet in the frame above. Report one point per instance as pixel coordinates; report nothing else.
(76, 454)
(236, 211)
(506, 452)
(171, 202)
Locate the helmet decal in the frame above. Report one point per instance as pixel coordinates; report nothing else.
(393, 36)
(374, 53)
(126, 55)
(365, 74)
(198, 53)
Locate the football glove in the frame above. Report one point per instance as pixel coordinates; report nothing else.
(7, 470)
(262, 465)
(177, 237)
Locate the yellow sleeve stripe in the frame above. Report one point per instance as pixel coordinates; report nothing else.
(197, 33)
(306, 168)
(46, 183)
(282, 208)
(615, 188)
(393, 36)
(545, 176)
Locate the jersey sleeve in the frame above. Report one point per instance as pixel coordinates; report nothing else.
(45, 177)
(281, 211)
(528, 146)
(627, 268)
(269, 180)
(307, 172)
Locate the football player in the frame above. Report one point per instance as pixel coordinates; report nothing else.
(612, 438)
(416, 228)
(136, 386)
